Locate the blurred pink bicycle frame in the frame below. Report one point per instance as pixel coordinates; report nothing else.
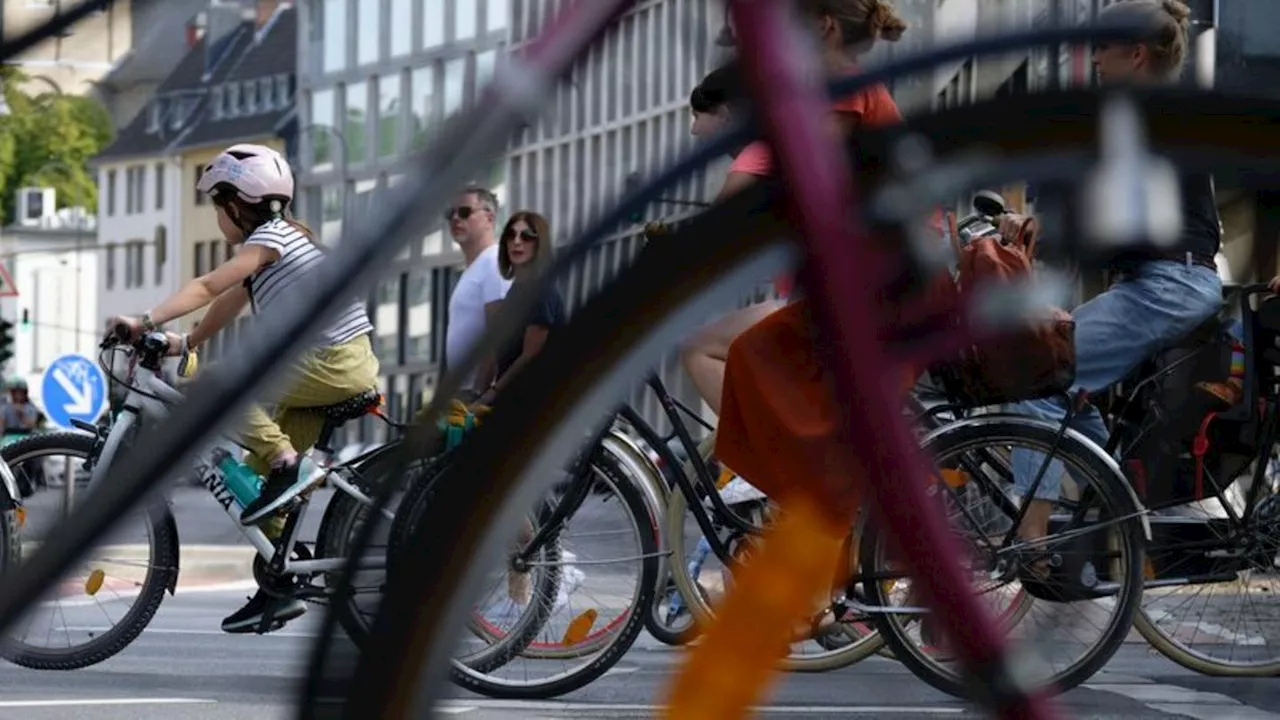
(842, 275)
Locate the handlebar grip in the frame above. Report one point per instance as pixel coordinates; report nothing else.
(121, 331)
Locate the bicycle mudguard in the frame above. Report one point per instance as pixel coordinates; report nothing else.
(10, 501)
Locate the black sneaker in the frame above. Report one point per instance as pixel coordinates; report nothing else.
(247, 618)
(282, 486)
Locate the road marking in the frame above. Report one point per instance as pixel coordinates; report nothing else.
(454, 707)
(103, 701)
(1178, 700)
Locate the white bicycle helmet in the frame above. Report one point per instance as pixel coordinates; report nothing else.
(257, 173)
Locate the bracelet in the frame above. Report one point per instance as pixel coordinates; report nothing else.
(147, 322)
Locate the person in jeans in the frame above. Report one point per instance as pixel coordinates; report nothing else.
(476, 296)
(1160, 297)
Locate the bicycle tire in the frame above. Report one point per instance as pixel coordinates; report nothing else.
(1175, 652)
(833, 658)
(419, 494)
(1116, 494)
(625, 636)
(338, 527)
(161, 573)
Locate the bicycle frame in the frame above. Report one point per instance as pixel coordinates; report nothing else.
(149, 398)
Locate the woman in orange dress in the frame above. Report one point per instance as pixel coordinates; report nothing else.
(778, 418)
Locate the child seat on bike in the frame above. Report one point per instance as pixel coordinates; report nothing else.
(1181, 437)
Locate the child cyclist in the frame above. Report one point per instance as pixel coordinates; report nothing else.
(252, 190)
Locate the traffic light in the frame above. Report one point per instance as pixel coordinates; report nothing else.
(6, 341)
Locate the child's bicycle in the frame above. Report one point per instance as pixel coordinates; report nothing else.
(148, 564)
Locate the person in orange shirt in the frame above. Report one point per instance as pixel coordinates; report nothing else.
(778, 416)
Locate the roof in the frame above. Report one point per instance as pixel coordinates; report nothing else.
(187, 84)
(269, 54)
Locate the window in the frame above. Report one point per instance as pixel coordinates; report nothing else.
(233, 100)
(162, 252)
(335, 35)
(267, 94)
(401, 27)
(357, 113)
(197, 254)
(284, 89)
(131, 200)
(159, 186)
(216, 254)
(154, 114)
(388, 115)
(432, 23)
(178, 112)
(133, 251)
(218, 103)
(111, 194)
(368, 32)
(455, 76)
(250, 97)
(495, 17)
(331, 213)
(200, 198)
(464, 19)
(418, 323)
(111, 266)
(386, 320)
(422, 93)
(486, 63)
(325, 122)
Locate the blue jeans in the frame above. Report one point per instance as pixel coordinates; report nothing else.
(1156, 305)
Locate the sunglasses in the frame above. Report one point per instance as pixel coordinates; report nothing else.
(528, 236)
(462, 211)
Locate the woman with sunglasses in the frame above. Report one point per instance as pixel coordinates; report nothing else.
(524, 253)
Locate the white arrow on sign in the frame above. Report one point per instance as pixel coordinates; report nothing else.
(81, 397)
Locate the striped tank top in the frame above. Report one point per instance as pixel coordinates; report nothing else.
(298, 255)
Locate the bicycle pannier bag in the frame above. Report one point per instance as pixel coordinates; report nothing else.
(1037, 360)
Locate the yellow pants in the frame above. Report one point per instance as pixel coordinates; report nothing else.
(322, 376)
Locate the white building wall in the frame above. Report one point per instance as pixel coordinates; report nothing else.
(119, 288)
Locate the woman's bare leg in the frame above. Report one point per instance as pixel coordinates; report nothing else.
(703, 355)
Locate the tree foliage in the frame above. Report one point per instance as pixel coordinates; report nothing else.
(47, 140)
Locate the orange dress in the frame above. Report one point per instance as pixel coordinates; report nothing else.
(779, 423)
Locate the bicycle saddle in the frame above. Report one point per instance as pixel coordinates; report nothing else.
(353, 407)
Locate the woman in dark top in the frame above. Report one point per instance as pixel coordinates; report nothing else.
(524, 253)
(1160, 296)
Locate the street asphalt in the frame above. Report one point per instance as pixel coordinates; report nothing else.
(184, 668)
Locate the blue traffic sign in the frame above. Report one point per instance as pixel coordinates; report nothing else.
(73, 388)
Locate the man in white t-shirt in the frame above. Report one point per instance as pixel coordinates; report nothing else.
(472, 222)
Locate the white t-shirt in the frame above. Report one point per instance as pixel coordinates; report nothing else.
(481, 283)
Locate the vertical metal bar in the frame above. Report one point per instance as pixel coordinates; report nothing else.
(791, 110)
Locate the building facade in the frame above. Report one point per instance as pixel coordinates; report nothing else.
(51, 258)
(141, 183)
(622, 116)
(375, 78)
(78, 59)
(153, 50)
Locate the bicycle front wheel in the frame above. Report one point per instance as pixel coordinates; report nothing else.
(1097, 521)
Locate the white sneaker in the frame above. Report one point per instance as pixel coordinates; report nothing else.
(570, 580)
(739, 491)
